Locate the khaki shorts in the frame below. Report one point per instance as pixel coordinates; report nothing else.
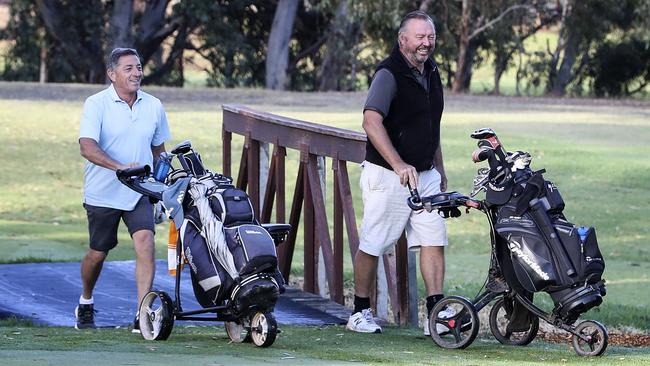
(386, 214)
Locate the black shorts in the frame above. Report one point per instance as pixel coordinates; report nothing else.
(103, 223)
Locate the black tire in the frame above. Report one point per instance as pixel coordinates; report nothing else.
(264, 329)
(456, 331)
(156, 316)
(499, 321)
(596, 340)
(238, 332)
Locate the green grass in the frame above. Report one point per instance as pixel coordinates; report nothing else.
(295, 345)
(595, 153)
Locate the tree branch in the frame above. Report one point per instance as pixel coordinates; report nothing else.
(498, 19)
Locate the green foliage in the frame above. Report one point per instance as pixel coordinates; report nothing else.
(232, 38)
(21, 62)
(228, 41)
(617, 66)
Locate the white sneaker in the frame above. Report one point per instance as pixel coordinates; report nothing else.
(445, 313)
(363, 322)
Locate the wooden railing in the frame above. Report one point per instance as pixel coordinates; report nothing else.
(313, 142)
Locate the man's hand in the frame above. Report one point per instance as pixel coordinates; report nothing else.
(129, 165)
(443, 182)
(407, 174)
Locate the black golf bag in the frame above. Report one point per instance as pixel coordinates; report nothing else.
(232, 258)
(546, 252)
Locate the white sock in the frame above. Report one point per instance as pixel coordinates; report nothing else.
(84, 301)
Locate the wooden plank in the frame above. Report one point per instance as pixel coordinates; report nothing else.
(310, 243)
(269, 191)
(280, 154)
(349, 147)
(348, 206)
(337, 212)
(254, 175)
(285, 250)
(401, 258)
(242, 177)
(226, 148)
(322, 234)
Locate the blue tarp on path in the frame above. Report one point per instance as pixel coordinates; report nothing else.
(49, 292)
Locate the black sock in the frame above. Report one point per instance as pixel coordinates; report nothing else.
(361, 303)
(432, 301)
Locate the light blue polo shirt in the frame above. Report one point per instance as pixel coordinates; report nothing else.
(126, 135)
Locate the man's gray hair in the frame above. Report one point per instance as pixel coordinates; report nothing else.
(418, 14)
(114, 57)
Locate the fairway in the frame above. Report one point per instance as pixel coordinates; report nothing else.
(596, 152)
(294, 346)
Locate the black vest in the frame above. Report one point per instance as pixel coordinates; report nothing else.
(413, 121)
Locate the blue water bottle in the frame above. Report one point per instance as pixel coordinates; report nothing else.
(162, 167)
(582, 233)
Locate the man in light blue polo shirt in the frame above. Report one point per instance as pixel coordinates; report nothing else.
(121, 127)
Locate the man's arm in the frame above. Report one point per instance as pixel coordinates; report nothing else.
(372, 124)
(94, 154)
(156, 151)
(440, 167)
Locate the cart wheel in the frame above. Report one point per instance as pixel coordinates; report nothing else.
(156, 316)
(595, 338)
(238, 332)
(264, 329)
(499, 322)
(453, 323)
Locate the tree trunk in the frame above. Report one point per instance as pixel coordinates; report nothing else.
(152, 29)
(463, 45)
(277, 56)
(119, 34)
(86, 56)
(466, 74)
(557, 86)
(341, 40)
(424, 6)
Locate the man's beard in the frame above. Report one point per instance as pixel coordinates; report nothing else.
(418, 58)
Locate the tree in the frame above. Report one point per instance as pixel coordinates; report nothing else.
(338, 69)
(277, 56)
(506, 39)
(76, 26)
(120, 26)
(27, 33)
(474, 21)
(583, 24)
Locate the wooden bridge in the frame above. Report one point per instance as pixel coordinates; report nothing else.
(315, 143)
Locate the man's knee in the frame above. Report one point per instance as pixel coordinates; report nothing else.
(95, 256)
(143, 237)
(143, 241)
(432, 251)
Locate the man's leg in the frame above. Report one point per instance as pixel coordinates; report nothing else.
(143, 242)
(432, 267)
(365, 273)
(91, 267)
(102, 230)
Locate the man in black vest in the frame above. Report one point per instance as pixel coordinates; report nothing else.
(402, 120)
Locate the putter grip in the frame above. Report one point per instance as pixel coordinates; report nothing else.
(481, 154)
(139, 171)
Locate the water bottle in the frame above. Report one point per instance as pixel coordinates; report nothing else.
(162, 167)
(582, 233)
